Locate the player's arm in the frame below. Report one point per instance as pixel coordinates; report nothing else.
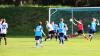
(72, 20)
(76, 20)
(7, 25)
(88, 25)
(43, 33)
(66, 27)
(74, 23)
(97, 22)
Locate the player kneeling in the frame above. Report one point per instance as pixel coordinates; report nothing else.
(38, 34)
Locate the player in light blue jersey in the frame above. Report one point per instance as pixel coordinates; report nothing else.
(55, 28)
(61, 31)
(92, 28)
(38, 34)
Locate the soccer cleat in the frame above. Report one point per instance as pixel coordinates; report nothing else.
(90, 38)
(5, 43)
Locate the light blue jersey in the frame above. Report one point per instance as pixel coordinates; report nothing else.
(93, 26)
(61, 27)
(39, 31)
(55, 27)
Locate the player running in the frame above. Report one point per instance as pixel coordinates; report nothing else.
(55, 28)
(92, 28)
(61, 31)
(50, 30)
(38, 34)
(80, 28)
(3, 33)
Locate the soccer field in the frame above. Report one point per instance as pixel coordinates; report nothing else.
(25, 46)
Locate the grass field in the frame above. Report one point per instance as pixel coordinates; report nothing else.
(25, 46)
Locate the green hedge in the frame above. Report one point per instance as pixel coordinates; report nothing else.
(22, 20)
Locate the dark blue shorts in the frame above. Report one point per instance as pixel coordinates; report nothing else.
(61, 34)
(91, 31)
(37, 37)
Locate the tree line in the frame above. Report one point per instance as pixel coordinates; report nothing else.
(76, 3)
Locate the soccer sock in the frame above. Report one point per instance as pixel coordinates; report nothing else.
(91, 37)
(5, 41)
(60, 40)
(37, 43)
(0, 41)
(56, 38)
(40, 41)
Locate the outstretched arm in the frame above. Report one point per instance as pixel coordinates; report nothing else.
(74, 23)
(98, 23)
(43, 33)
(76, 20)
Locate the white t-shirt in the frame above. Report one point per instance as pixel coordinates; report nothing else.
(49, 27)
(4, 28)
(0, 26)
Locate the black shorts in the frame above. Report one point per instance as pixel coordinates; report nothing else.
(91, 31)
(3, 35)
(51, 32)
(80, 32)
(38, 37)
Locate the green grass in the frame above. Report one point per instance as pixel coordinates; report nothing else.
(25, 46)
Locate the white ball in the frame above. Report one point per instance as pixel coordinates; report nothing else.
(98, 24)
(71, 20)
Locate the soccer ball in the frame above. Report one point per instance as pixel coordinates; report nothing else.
(71, 20)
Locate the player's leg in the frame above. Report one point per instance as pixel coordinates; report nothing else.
(91, 32)
(81, 33)
(5, 39)
(37, 41)
(41, 41)
(56, 36)
(91, 35)
(85, 36)
(66, 37)
(0, 38)
(52, 34)
(61, 38)
(49, 36)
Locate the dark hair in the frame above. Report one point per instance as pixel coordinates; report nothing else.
(40, 23)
